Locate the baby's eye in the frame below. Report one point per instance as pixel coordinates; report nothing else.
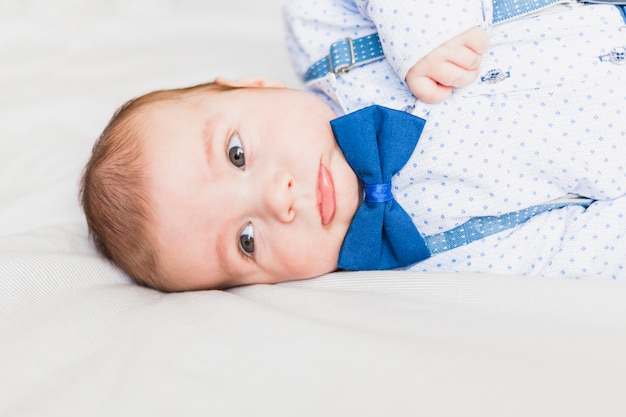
(235, 152)
(246, 240)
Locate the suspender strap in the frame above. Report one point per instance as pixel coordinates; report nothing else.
(509, 9)
(348, 53)
(345, 54)
(480, 227)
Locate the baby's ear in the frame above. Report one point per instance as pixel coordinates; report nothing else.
(249, 82)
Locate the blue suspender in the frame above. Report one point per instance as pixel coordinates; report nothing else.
(480, 227)
(508, 9)
(347, 53)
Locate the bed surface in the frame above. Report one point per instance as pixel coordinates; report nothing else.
(77, 338)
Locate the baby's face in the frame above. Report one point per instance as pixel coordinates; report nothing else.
(248, 186)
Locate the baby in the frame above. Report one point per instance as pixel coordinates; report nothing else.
(233, 183)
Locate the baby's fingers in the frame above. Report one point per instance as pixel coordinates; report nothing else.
(475, 39)
(432, 78)
(453, 64)
(464, 57)
(452, 75)
(428, 90)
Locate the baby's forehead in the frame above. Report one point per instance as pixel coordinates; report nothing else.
(156, 115)
(169, 105)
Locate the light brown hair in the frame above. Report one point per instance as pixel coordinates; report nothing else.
(114, 191)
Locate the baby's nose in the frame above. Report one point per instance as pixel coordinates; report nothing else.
(277, 196)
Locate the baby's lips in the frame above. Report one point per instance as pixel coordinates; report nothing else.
(326, 190)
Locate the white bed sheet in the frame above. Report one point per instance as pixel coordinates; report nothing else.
(77, 338)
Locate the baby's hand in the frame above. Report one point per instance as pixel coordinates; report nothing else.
(452, 64)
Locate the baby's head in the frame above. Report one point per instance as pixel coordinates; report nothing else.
(216, 186)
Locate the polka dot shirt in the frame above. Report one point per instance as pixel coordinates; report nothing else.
(544, 119)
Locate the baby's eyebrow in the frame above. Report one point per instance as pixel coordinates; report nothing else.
(208, 138)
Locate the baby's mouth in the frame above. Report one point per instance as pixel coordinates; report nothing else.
(326, 195)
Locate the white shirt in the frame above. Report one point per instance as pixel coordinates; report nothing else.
(553, 125)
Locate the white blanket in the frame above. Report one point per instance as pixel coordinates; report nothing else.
(77, 338)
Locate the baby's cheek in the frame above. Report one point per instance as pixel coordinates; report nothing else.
(317, 260)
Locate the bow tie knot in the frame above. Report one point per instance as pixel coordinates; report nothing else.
(378, 193)
(377, 142)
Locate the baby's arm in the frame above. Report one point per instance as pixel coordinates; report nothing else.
(411, 30)
(455, 63)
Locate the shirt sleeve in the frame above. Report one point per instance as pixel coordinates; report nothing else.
(405, 28)
(311, 27)
(410, 29)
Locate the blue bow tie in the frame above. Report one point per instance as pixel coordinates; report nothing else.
(377, 142)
